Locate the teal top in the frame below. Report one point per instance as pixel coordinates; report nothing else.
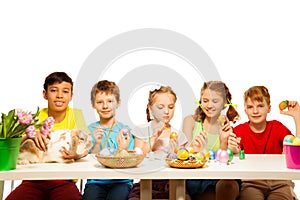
(111, 143)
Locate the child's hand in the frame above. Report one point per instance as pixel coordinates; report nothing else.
(173, 145)
(123, 138)
(199, 141)
(66, 154)
(234, 142)
(98, 134)
(226, 130)
(158, 129)
(41, 140)
(293, 110)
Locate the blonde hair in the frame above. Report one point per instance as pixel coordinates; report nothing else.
(153, 93)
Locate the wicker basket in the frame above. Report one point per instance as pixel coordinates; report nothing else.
(184, 164)
(132, 160)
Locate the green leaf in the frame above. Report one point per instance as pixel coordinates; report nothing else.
(1, 133)
(3, 116)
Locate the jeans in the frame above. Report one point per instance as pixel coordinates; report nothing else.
(115, 191)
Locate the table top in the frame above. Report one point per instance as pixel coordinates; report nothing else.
(266, 166)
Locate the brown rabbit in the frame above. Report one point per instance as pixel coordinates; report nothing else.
(75, 141)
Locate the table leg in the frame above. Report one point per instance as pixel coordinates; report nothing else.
(146, 189)
(1, 189)
(177, 189)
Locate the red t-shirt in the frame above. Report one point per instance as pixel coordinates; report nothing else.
(268, 142)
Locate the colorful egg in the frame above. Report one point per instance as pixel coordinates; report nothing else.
(105, 152)
(199, 156)
(182, 154)
(288, 139)
(223, 156)
(122, 153)
(283, 105)
(212, 154)
(218, 152)
(138, 151)
(112, 150)
(190, 149)
(191, 157)
(172, 156)
(296, 141)
(173, 135)
(206, 153)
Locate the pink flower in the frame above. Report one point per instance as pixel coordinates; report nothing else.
(47, 126)
(30, 131)
(49, 123)
(24, 117)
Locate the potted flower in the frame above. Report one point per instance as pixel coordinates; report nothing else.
(13, 126)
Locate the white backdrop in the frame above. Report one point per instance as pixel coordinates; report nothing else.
(250, 43)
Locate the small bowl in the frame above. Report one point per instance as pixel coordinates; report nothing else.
(133, 160)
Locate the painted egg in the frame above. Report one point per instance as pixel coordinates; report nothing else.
(182, 154)
(283, 105)
(172, 155)
(206, 153)
(173, 135)
(105, 152)
(112, 151)
(138, 151)
(190, 149)
(296, 141)
(218, 152)
(288, 139)
(223, 156)
(212, 154)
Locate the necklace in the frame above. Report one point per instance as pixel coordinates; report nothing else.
(108, 134)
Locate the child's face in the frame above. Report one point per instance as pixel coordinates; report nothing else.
(59, 96)
(105, 105)
(257, 111)
(212, 103)
(163, 107)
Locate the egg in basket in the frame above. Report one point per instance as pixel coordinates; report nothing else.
(186, 158)
(120, 158)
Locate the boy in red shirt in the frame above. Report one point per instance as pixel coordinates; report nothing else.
(259, 136)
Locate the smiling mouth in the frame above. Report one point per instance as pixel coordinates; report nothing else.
(59, 103)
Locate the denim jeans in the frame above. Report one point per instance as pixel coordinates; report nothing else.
(115, 191)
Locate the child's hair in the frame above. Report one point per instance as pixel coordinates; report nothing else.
(222, 89)
(153, 93)
(257, 93)
(108, 87)
(57, 77)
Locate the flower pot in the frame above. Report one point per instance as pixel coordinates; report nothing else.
(9, 151)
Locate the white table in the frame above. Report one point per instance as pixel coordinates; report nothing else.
(253, 167)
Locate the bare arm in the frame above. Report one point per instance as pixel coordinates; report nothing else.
(142, 144)
(293, 111)
(188, 127)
